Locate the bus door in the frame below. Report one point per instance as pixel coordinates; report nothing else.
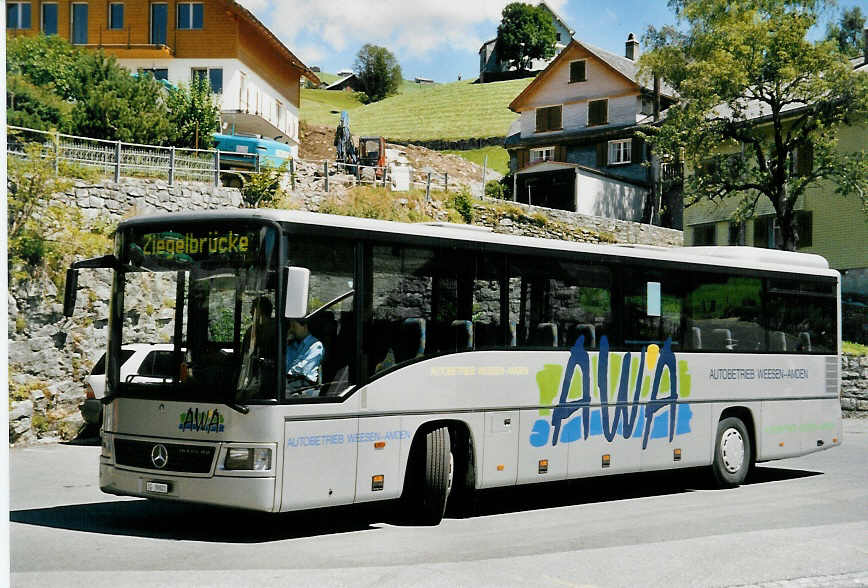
(319, 463)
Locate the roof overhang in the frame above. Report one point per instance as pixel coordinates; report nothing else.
(282, 49)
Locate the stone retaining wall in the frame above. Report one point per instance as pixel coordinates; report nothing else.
(535, 221)
(854, 383)
(135, 196)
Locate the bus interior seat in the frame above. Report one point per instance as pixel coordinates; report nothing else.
(695, 340)
(462, 335)
(486, 335)
(545, 335)
(777, 341)
(586, 329)
(804, 342)
(411, 341)
(721, 340)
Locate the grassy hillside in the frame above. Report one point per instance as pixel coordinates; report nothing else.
(498, 157)
(323, 107)
(457, 110)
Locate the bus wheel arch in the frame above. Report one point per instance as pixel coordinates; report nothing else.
(440, 469)
(734, 447)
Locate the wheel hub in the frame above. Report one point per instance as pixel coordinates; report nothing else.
(732, 450)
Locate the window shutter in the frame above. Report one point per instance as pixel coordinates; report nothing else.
(554, 118)
(560, 153)
(523, 158)
(636, 155)
(540, 119)
(602, 154)
(577, 71)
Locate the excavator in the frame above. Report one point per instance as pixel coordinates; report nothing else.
(371, 153)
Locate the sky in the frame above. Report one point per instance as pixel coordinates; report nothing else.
(440, 39)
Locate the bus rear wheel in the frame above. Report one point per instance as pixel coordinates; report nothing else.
(732, 453)
(429, 477)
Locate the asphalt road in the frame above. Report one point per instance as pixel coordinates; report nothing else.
(798, 522)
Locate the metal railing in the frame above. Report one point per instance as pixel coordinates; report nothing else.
(118, 159)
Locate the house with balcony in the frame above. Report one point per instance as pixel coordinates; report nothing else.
(575, 144)
(255, 77)
(493, 69)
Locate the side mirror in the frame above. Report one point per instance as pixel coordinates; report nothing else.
(70, 291)
(297, 281)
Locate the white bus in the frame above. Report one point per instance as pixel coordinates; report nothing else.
(453, 359)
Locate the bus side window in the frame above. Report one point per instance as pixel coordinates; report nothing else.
(653, 304)
(801, 317)
(724, 314)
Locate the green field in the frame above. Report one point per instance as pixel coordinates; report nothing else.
(498, 157)
(457, 110)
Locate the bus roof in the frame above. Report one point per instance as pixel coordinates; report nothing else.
(723, 256)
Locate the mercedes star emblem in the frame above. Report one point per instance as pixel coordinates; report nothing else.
(159, 456)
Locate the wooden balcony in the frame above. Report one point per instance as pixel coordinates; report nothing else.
(134, 51)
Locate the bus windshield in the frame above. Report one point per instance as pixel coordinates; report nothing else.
(210, 290)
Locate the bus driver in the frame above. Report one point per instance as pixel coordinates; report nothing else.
(303, 356)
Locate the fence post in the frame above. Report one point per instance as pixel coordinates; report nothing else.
(56, 153)
(385, 173)
(258, 167)
(428, 189)
(325, 170)
(358, 174)
(446, 182)
(216, 168)
(292, 173)
(172, 166)
(117, 162)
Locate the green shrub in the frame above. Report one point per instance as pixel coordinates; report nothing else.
(462, 202)
(260, 189)
(494, 189)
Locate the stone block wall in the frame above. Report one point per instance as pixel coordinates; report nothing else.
(854, 384)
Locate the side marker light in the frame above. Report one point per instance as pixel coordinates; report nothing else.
(676, 455)
(607, 460)
(377, 482)
(543, 466)
(379, 444)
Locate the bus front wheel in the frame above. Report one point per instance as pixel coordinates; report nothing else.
(429, 477)
(732, 453)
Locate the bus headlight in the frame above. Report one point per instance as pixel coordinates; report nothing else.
(246, 459)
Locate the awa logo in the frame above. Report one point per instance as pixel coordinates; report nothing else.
(599, 389)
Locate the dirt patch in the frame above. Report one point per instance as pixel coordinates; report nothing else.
(317, 143)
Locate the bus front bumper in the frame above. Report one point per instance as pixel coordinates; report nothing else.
(241, 492)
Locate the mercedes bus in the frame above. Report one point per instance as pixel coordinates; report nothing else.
(450, 359)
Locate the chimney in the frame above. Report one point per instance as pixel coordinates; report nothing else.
(632, 48)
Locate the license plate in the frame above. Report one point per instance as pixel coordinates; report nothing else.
(157, 487)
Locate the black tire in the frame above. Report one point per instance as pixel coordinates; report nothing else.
(462, 495)
(426, 486)
(732, 453)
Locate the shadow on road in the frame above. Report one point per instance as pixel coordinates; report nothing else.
(194, 522)
(612, 488)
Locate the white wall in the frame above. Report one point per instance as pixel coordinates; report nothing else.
(262, 95)
(600, 196)
(622, 110)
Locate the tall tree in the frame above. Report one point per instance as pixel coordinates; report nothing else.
(763, 99)
(378, 71)
(525, 33)
(847, 32)
(193, 114)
